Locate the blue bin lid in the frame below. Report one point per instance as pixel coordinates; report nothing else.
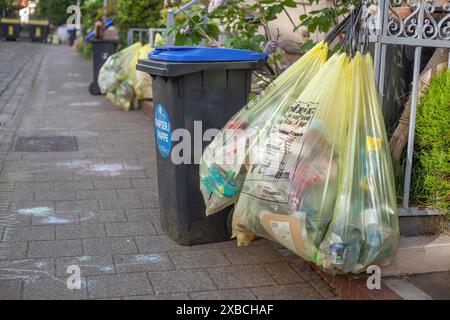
(202, 54)
(108, 23)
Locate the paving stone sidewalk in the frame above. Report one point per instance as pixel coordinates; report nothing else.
(19, 63)
(97, 207)
(14, 56)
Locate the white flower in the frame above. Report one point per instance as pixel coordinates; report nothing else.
(186, 30)
(271, 46)
(171, 3)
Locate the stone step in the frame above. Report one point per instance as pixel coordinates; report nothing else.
(421, 254)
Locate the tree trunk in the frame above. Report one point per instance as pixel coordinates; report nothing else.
(399, 138)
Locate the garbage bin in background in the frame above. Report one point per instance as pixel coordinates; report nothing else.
(10, 29)
(72, 36)
(38, 30)
(101, 51)
(203, 85)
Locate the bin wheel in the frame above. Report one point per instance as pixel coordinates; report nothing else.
(230, 221)
(94, 89)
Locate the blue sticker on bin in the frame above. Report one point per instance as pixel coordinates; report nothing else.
(163, 131)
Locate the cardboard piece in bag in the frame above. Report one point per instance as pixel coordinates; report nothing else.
(286, 230)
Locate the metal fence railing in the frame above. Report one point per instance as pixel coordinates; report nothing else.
(171, 14)
(143, 35)
(148, 35)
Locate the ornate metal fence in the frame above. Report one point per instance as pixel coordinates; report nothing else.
(425, 24)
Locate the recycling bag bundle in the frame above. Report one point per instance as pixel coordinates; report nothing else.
(324, 187)
(290, 191)
(364, 228)
(224, 163)
(320, 182)
(119, 80)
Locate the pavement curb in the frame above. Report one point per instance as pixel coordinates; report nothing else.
(354, 287)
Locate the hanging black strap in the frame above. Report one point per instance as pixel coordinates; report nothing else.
(338, 29)
(352, 38)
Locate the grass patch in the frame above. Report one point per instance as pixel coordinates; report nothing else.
(431, 170)
(437, 225)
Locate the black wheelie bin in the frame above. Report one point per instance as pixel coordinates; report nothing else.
(72, 32)
(101, 51)
(10, 28)
(38, 30)
(194, 89)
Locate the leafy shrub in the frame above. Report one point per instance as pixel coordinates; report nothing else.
(2, 6)
(137, 14)
(54, 10)
(86, 50)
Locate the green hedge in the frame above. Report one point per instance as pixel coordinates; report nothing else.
(431, 176)
(54, 10)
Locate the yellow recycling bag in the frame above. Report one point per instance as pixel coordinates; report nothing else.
(290, 191)
(323, 186)
(364, 229)
(225, 161)
(119, 80)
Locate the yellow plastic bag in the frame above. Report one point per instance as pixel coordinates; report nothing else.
(324, 185)
(225, 161)
(290, 191)
(364, 230)
(119, 80)
(119, 67)
(159, 40)
(319, 178)
(123, 96)
(143, 84)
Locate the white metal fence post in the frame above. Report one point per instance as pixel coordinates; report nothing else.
(412, 117)
(170, 23)
(412, 127)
